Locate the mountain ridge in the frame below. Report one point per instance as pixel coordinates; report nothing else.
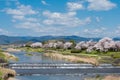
(23, 39)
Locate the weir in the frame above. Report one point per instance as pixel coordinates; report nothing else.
(39, 68)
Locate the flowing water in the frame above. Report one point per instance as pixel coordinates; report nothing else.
(39, 58)
(35, 58)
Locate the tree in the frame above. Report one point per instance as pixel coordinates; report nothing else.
(28, 44)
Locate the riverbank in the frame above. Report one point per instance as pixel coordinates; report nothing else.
(81, 56)
(59, 53)
(28, 49)
(5, 73)
(8, 56)
(108, 77)
(4, 59)
(72, 58)
(64, 55)
(12, 50)
(12, 79)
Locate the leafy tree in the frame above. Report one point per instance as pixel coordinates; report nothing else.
(28, 44)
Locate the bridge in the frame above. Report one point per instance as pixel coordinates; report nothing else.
(39, 68)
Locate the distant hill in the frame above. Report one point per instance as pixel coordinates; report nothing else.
(116, 39)
(17, 40)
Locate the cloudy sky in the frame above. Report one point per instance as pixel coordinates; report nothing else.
(85, 18)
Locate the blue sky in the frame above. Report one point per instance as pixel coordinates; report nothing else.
(85, 18)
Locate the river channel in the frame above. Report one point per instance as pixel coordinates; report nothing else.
(39, 58)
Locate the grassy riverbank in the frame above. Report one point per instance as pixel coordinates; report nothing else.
(6, 73)
(72, 58)
(4, 59)
(108, 77)
(79, 56)
(28, 49)
(6, 56)
(12, 50)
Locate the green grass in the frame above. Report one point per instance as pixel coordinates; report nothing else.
(2, 56)
(28, 49)
(75, 51)
(1, 74)
(102, 57)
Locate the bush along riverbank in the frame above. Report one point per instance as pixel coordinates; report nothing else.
(4, 59)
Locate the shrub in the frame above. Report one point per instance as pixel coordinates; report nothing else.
(116, 62)
(95, 52)
(75, 51)
(116, 55)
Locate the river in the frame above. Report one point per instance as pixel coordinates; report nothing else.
(39, 58)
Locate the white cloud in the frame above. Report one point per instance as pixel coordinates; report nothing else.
(28, 21)
(98, 19)
(11, 2)
(4, 32)
(18, 17)
(117, 31)
(28, 25)
(100, 5)
(21, 10)
(86, 31)
(73, 6)
(64, 19)
(44, 2)
(22, 16)
(95, 31)
(101, 32)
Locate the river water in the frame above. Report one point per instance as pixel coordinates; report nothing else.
(39, 58)
(35, 58)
